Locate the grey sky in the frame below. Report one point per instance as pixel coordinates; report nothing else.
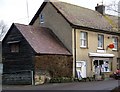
(16, 10)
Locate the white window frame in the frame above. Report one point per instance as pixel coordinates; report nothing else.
(115, 42)
(100, 41)
(83, 39)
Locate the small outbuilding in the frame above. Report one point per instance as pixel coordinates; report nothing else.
(28, 51)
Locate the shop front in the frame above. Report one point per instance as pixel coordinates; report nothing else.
(101, 65)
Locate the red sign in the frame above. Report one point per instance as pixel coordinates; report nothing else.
(111, 46)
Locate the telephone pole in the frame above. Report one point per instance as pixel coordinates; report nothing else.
(27, 10)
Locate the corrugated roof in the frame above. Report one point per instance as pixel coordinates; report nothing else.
(42, 40)
(80, 16)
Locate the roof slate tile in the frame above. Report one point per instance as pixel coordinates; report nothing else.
(83, 17)
(42, 40)
(80, 16)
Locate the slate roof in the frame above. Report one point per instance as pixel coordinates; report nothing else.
(42, 40)
(80, 16)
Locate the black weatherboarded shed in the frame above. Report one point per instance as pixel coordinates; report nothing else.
(26, 48)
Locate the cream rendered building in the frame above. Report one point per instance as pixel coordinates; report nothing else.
(85, 33)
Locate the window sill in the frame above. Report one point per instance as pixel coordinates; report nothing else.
(41, 22)
(114, 49)
(83, 47)
(100, 48)
(106, 71)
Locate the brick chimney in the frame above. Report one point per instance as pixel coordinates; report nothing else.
(100, 9)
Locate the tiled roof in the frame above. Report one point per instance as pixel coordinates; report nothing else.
(42, 40)
(84, 17)
(113, 20)
(81, 16)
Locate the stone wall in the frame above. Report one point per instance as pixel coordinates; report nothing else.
(56, 65)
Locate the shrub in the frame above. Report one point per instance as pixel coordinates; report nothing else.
(60, 80)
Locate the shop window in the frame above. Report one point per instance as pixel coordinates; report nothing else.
(118, 63)
(102, 66)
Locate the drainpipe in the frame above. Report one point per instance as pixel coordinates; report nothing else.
(74, 66)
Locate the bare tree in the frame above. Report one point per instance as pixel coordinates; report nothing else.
(114, 6)
(3, 28)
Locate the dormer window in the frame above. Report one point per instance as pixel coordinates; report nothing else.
(41, 18)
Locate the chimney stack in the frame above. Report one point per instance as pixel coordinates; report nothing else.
(100, 9)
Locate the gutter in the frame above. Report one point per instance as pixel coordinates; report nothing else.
(96, 30)
(74, 25)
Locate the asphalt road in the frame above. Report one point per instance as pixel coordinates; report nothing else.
(94, 85)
